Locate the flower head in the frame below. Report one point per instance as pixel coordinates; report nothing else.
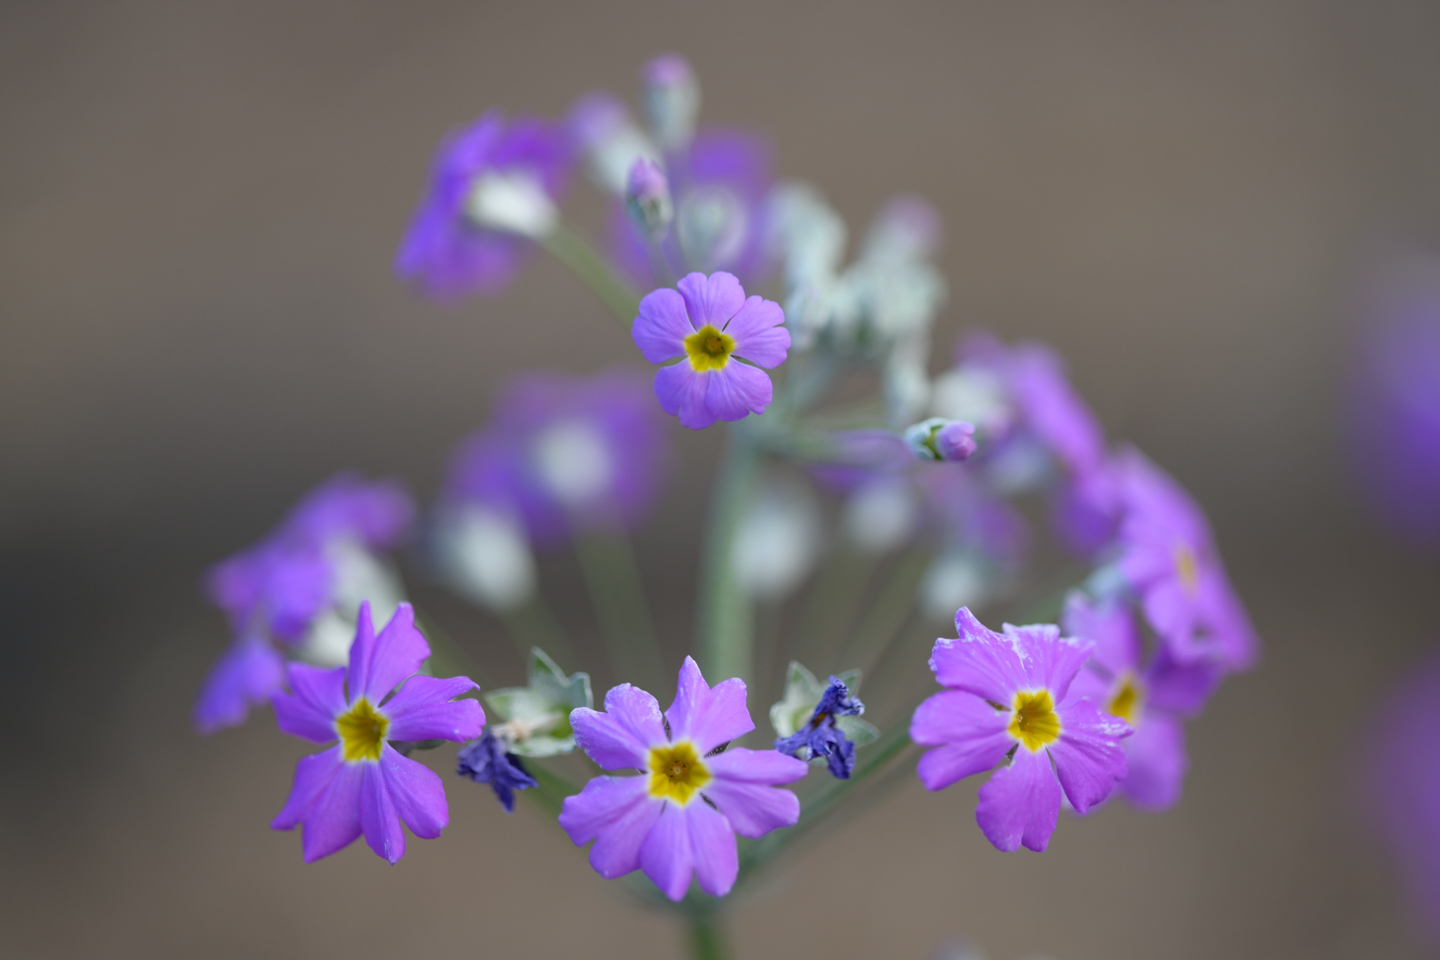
(301, 587)
(831, 729)
(941, 439)
(564, 453)
(362, 784)
(647, 198)
(1153, 698)
(1009, 695)
(492, 193)
(721, 340)
(679, 817)
(1169, 558)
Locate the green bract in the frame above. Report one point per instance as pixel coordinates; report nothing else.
(536, 717)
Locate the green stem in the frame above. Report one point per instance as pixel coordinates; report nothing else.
(726, 623)
(576, 253)
(617, 593)
(890, 609)
(707, 936)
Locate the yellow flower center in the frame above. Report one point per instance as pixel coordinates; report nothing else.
(676, 772)
(1127, 700)
(1187, 568)
(708, 348)
(1035, 723)
(362, 731)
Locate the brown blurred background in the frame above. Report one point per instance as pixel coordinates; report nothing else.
(198, 206)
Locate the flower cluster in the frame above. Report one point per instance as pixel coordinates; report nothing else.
(889, 498)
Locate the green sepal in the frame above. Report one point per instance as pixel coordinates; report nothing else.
(545, 702)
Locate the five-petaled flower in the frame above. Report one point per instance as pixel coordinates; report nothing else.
(680, 816)
(711, 327)
(362, 784)
(1009, 695)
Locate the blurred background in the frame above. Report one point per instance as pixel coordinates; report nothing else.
(199, 204)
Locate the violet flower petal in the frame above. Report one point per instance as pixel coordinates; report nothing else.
(759, 334)
(736, 391)
(1088, 756)
(416, 793)
(1051, 661)
(742, 765)
(1020, 805)
(662, 326)
(378, 664)
(711, 300)
(317, 698)
(621, 737)
(978, 662)
(681, 391)
(712, 840)
(246, 674)
(970, 735)
(379, 820)
(666, 855)
(1156, 763)
(426, 709)
(708, 716)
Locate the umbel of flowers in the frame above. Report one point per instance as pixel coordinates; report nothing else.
(841, 536)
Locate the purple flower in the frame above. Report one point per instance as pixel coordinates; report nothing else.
(680, 816)
(719, 185)
(941, 439)
(672, 100)
(1393, 440)
(564, 453)
(362, 785)
(488, 761)
(710, 326)
(1009, 695)
(493, 190)
(1153, 699)
(318, 563)
(647, 198)
(821, 737)
(1168, 556)
(1402, 777)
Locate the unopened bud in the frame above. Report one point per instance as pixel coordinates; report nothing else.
(647, 198)
(672, 101)
(941, 439)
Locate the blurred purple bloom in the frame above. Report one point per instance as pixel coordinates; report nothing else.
(718, 184)
(647, 198)
(1402, 770)
(681, 815)
(362, 785)
(711, 327)
(1393, 440)
(565, 453)
(487, 761)
(941, 439)
(1010, 695)
(1168, 556)
(277, 589)
(820, 737)
(492, 190)
(970, 514)
(1153, 699)
(672, 100)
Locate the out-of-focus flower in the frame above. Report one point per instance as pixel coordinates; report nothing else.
(564, 453)
(778, 540)
(881, 514)
(1152, 698)
(718, 185)
(1169, 558)
(647, 198)
(672, 101)
(490, 760)
(1402, 779)
(362, 785)
(679, 819)
(1393, 440)
(711, 327)
(604, 131)
(301, 587)
(1010, 695)
(493, 192)
(815, 721)
(484, 553)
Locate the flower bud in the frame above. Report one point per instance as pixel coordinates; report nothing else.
(941, 439)
(604, 130)
(511, 200)
(647, 198)
(672, 101)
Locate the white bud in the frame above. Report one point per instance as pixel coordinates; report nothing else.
(778, 541)
(485, 554)
(881, 515)
(511, 200)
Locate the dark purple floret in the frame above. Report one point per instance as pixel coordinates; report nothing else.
(821, 737)
(486, 761)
